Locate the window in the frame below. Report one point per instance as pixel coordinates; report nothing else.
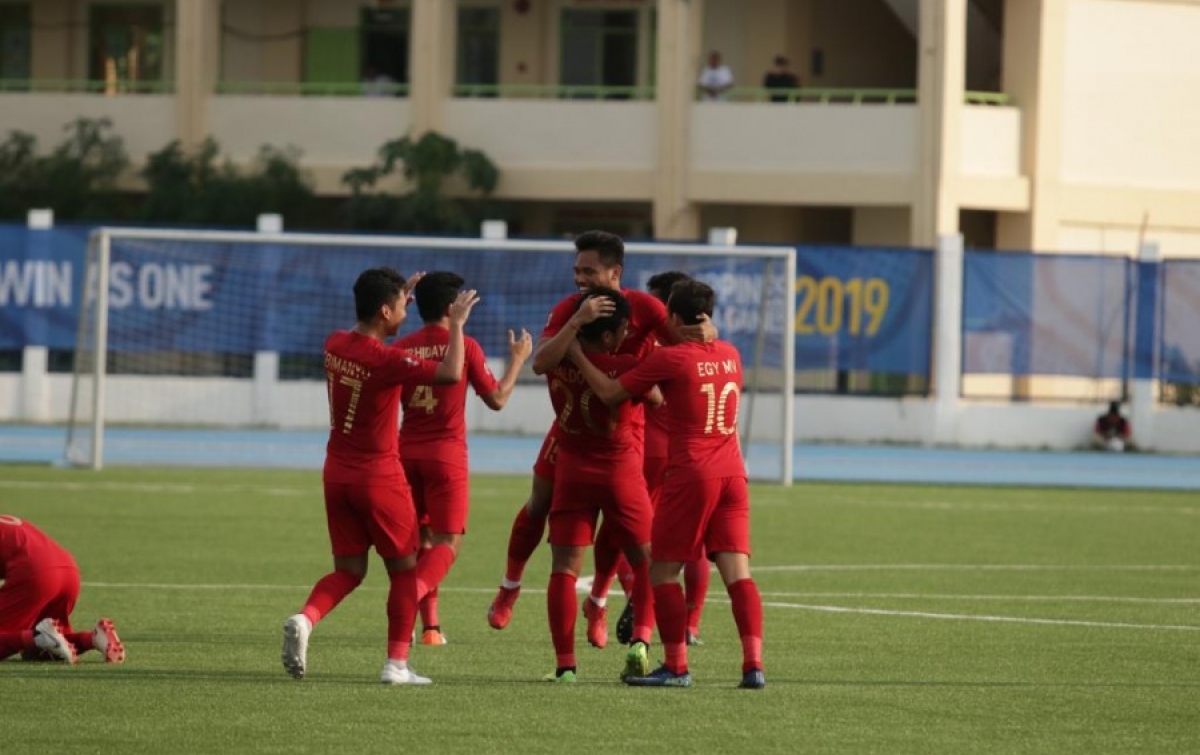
(478, 46)
(14, 42)
(599, 48)
(385, 45)
(126, 43)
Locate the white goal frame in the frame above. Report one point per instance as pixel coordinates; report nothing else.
(96, 302)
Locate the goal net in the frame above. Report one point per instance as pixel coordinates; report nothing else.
(205, 348)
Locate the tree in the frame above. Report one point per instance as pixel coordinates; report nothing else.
(425, 164)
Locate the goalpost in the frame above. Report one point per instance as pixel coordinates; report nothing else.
(207, 345)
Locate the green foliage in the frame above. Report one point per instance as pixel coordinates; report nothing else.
(199, 188)
(425, 164)
(78, 179)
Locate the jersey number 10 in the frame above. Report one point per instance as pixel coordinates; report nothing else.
(718, 415)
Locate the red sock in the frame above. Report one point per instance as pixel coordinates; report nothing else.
(401, 613)
(643, 603)
(561, 606)
(696, 576)
(81, 640)
(327, 593)
(522, 542)
(605, 555)
(12, 643)
(429, 609)
(748, 614)
(432, 568)
(672, 624)
(625, 575)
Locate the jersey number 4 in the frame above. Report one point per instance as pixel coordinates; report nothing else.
(423, 398)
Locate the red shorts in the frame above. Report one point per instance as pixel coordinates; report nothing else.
(547, 458)
(440, 494)
(577, 505)
(360, 516)
(31, 593)
(693, 517)
(654, 469)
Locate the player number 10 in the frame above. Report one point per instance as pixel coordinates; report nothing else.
(822, 306)
(717, 416)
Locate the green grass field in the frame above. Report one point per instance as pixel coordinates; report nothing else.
(899, 619)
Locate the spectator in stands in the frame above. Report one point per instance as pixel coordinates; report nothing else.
(1111, 431)
(716, 79)
(778, 80)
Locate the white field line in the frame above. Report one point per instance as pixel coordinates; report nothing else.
(1015, 506)
(999, 619)
(766, 604)
(986, 598)
(977, 567)
(156, 487)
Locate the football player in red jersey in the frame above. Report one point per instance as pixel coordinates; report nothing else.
(704, 504)
(367, 500)
(599, 470)
(433, 436)
(41, 585)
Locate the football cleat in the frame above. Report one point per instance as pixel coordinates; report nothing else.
(661, 677)
(597, 623)
(625, 624)
(500, 611)
(637, 661)
(295, 645)
(566, 676)
(433, 636)
(48, 636)
(395, 673)
(753, 679)
(105, 639)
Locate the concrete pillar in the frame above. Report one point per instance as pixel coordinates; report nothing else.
(947, 339)
(35, 358)
(941, 87)
(679, 27)
(431, 63)
(1034, 31)
(197, 30)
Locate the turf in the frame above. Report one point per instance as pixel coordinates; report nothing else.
(899, 619)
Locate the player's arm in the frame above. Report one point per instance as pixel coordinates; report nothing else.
(609, 390)
(450, 369)
(552, 349)
(655, 314)
(654, 397)
(520, 349)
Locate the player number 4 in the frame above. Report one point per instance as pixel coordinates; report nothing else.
(423, 398)
(715, 419)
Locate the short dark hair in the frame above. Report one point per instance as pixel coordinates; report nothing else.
(373, 289)
(690, 299)
(608, 246)
(660, 285)
(435, 292)
(592, 331)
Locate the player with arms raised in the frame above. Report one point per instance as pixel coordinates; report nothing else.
(433, 436)
(704, 502)
(599, 469)
(599, 262)
(367, 500)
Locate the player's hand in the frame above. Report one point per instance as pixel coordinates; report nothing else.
(521, 347)
(410, 283)
(593, 308)
(702, 332)
(460, 310)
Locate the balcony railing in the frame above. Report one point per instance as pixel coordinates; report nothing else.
(553, 92)
(313, 88)
(86, 86)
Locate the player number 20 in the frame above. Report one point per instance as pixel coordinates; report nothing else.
(722, 408)
(829, 305)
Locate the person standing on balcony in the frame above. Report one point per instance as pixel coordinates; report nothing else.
(778, 80)
(716, 79)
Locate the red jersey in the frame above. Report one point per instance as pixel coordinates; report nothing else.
(655, 440)
(596, 442)
(701, 386)
(363, 378)
(22, 544)
(435, 425)
(647, 320)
